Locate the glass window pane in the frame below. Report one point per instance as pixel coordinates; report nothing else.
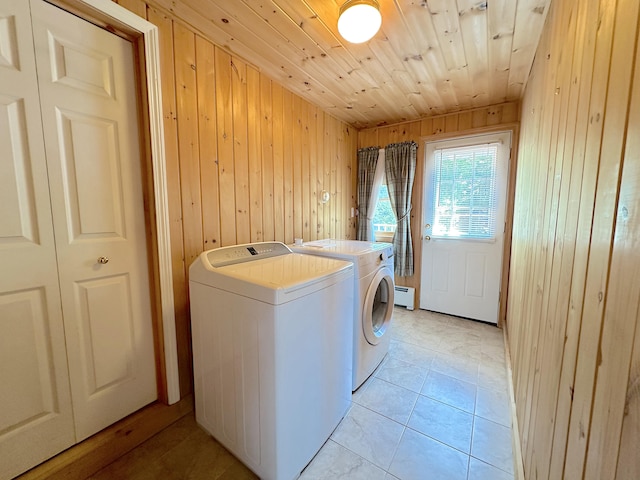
(384, 220)
(465, 192)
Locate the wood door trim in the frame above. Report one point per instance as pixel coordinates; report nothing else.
(121, 21)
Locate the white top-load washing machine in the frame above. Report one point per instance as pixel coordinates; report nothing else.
(373, 300)
(272, 355)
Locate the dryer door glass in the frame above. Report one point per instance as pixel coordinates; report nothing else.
(378, 306)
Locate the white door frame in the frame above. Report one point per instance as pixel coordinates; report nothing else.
(108, 11)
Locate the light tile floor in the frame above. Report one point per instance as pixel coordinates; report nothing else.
(436, 408)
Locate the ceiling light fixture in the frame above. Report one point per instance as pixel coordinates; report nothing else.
(359, 20)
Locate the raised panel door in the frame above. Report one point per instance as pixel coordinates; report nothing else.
(88, 97)
(35, 416)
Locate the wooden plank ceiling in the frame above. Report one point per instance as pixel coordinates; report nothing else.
(430, 57)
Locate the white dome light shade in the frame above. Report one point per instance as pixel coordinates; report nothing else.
(359, 20)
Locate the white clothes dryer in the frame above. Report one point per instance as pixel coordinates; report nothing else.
(373, 298)
(272, 347)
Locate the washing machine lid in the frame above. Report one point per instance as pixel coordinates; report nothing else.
(267, 271)
(342, 248)
(353, 250)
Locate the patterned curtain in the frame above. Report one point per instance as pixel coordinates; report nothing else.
(367, 160)
(400, 169)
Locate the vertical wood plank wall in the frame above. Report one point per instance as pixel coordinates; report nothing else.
(574, 292)
(481, 120)
(246, 159)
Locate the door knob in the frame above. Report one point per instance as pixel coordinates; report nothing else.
(103, 260)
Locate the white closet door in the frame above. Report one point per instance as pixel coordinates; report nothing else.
(35, 413)
(88, 101)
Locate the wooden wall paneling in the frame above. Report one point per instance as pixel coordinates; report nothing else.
(349, 151)
(546, 176)
(522, 287)
(320, 154)
(208, 141)
(438, 124)
(333, 168)
(224, 122)
(543, 405)
(297, 167)
(564, 251)
(393, 133)
(426, 126)
(451, 123)
(354, 184)
(587, 137)
(326, 166)
(240, 149)
(342, 160)
(189, 161)
(336, 167)
(254, 142)
(169, 107)
(340, 180)
(287, 118)
(624, 266)
(560, 61)
(628, 465)
(494, 115)
(523, 229)
(478, 118)
(306, 179)
(278, 163)
(587, 148)
(572, 328)
(465, 120)
(266, 115)
(616, 376)
(185, 63)
(520, 252)
(312, 122)
(510, 112)
(384, 136)
(351, 179)
(596, 289)
(139, 7)
(368, 138)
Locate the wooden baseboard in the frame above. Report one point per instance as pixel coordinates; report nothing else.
(518, 464)
(86, 458)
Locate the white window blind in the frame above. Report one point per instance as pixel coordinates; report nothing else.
(464, 190)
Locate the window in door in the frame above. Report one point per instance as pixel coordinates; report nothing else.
(464, 192)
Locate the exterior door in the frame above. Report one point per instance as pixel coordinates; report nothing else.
(88, 103)
(35, 414)
(464, 217)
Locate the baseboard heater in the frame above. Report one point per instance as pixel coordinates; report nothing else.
(404, 296)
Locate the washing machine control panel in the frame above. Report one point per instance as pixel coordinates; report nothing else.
(220, 257)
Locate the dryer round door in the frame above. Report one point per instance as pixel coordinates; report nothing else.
(378, 306)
